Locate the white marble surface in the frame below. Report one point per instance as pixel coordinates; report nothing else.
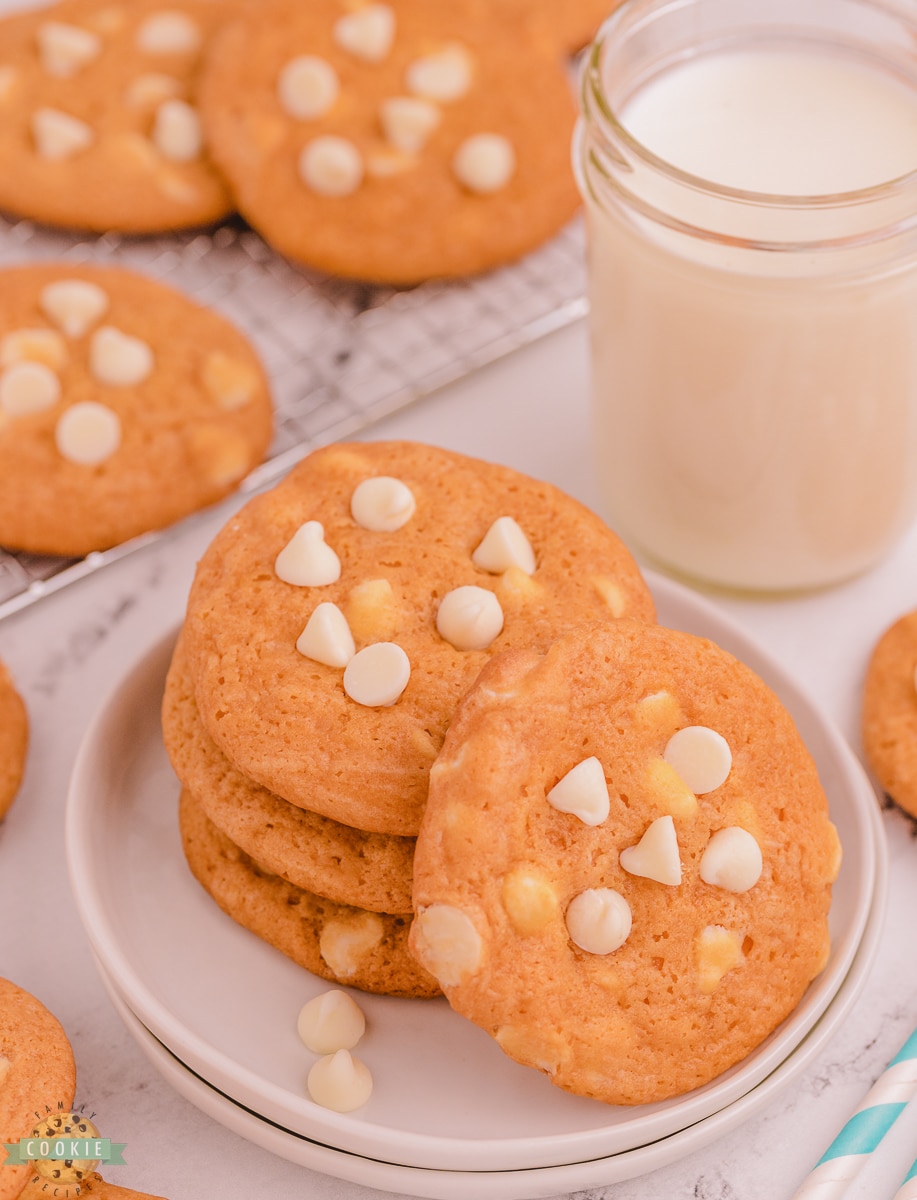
(66, 652)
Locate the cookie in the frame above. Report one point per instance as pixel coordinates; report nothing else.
(624, 870)
(365, 870)
(340, 943)
(92, 1185)
(890, 712)
(393, 142)
(570, 26)
(100, 129)
(36, 1071)
(123, 407)
(14, 741)
(414, 565)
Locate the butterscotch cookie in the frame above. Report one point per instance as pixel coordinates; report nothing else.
(14, 740)
(99, 126)
(347, 945)
(570, 25)
(37, 1071)
(365, 870)
(335, 622)
(123, 407)
(890, 712)
(393, 141)
(92, 1185)
(625, 865)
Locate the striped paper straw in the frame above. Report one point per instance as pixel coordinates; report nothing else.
(883, 1104)
(908, 1189)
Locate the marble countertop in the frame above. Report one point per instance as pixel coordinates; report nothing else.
(67, 651)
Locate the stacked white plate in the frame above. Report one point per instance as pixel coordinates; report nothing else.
(215, 1009)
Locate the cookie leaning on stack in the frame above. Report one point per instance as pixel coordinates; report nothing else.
(889, 716)
(14, 740)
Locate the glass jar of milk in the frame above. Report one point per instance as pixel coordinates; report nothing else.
(750, 175)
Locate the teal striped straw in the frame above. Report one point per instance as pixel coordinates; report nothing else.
(908, 1189)
(883, 1104)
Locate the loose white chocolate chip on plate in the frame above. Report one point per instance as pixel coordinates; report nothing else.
(599, 920)
(117, 359)
(340, 1082)
(28, 387)
(330, 1022)
(701, 756)
(65, 49)
(331, 166)
(484, 163)
(447, 943)
(74, 305)
(504, 546)
(307, 87)
(732, 860)
(344, 944)
(168, 32)
(150, 89)
(88, 433)
(307, 560)
(33, 345)
(582, 792)
(443, 76)
(327, 638)
(367, 33)
(177, 131)
(408, 121)
(377, 675)
(57, 135)
(656, 855)
(469, 618)
(382, 504)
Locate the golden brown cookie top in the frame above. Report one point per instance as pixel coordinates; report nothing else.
(406, 568)
(14, 740)
(123, 406)
(100, 128)
(624, 869)
(569, 25)
(392, 141)
(890, 712)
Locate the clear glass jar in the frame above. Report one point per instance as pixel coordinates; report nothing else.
(754, 351)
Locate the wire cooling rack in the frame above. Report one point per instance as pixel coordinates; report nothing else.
(339, 354)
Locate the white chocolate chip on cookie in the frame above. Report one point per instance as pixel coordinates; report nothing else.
(340, 1082)
(447, 943)
(117, 359)
(177, 131)
(599, 920)
(327, 638)
(582, 792)
(231, 382)
(504, 546)
(28, 387)
(530, 901)
(8, 78)
(372, 611)
(88, 433)
(331, 166)
(732, 860)
(656, 855)
(33, 345)
(484, 163)
(344, 943)
(469, 618)
(168, 32)
(74, 305)
(59, 136)
(408, 121)
(382, 504)
(367, 33)
(151, 89)
(717, 951)
(307, 87)
(668, 791)
(377, 675)
(330, 1022)
(307, 560)
(443, 76)
(701, 756)
(65, 49)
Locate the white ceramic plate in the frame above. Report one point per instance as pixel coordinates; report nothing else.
(445, 1096)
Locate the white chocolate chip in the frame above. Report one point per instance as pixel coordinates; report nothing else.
(74, 305)
(149, 90)
(8, 78)
(599, 920)
(177, 131)
(307, 560)
(656, 855)
(231, 382)
(469, 618)
(117, 359)
(382, 504)
(582, 792)
(701, 756)
(373, 613)
(340, 1082)
(344, 944)
(443, 76)
(88, 433)
(385, 163)
(28, 387)
(377, 675)
(327, 638)
(65, 49)
(530, 901)
(484, 163)
(717, 951)
(329, 1022)
(367, 33)
(447, 943)
(408, 121)
(504, 546)
(331, 166)
(58, 135)
(307, 87)
(668, 791)
(33, 345)
(732, 860)
(168, 32)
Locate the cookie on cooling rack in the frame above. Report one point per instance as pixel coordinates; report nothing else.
(14, 740)
(394, 141)
(889, 717)
(624, 869)
(123, 407)
(99, 128)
